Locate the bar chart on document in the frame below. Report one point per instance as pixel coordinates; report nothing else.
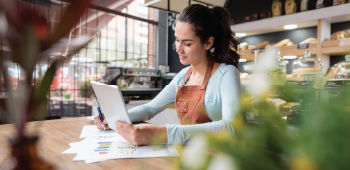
(116, 147)
(128, 148)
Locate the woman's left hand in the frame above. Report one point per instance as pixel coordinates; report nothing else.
(142, 134)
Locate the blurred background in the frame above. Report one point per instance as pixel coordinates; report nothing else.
(126, 36)
(135, 47)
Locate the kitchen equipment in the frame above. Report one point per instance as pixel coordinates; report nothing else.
(164, 69)
(135, 81)
(166, 78)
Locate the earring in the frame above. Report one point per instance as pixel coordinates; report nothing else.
(212, 51)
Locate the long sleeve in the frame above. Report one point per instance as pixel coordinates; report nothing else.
(229, 89)
(162, 101)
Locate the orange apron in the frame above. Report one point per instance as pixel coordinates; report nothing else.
(189, 101)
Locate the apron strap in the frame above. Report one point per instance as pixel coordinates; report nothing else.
(187, 76)
(208, 74)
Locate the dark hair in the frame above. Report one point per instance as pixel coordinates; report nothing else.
(207, 22)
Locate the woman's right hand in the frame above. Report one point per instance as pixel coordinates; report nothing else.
(99, 123)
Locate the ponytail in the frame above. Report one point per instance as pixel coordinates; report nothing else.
(208, 22)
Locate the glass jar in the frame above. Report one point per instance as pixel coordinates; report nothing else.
(307, 65)
(278, 73)
(341, 70)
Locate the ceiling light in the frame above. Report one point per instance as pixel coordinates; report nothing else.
(290, 57)
(242, 60)
(240, 34)
(291, 26)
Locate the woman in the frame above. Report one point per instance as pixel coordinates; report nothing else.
(206, 94)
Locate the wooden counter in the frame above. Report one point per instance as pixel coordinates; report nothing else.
(55, 136)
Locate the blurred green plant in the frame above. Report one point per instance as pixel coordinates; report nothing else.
(320, 141)
(66, 96)
(30, 41)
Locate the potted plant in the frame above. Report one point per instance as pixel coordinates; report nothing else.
(30, 42)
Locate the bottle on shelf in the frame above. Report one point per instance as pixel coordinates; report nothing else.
(338, 2)
(303, 5)
(290, 7)
(320, 4)
(276, 8)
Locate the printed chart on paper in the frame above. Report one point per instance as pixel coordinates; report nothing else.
(117, 147)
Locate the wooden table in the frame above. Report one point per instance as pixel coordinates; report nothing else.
(55, 136)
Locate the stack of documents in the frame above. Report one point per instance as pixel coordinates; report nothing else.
(100, 145)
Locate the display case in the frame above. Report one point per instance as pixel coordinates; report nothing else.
(341, 70)
(307, 64)
(278, 73)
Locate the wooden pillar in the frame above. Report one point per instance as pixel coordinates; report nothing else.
(323, 33)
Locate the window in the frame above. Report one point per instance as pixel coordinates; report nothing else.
(122, 37)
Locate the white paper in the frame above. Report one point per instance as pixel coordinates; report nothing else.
(115, 147)
(92, 131)
(71, 151)
(74, 148)
(94, 160)
(75, 144)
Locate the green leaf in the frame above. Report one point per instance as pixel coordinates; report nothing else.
(28, 52)
(41, 110)
(40, 93)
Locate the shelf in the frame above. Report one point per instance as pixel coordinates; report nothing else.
(331, 14)
(332, 47)
(286, 50)
(336, 47)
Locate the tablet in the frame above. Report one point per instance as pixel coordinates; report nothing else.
(111, 102)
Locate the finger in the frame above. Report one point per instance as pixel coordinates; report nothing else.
(123, 130)
(98, 125)
(106, 124)
(124, 134)
(124, 126)
(97, 121)
(97, 118)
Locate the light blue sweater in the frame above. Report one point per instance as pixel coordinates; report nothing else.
(221, 103)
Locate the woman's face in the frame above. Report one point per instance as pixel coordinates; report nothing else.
(188, 45)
